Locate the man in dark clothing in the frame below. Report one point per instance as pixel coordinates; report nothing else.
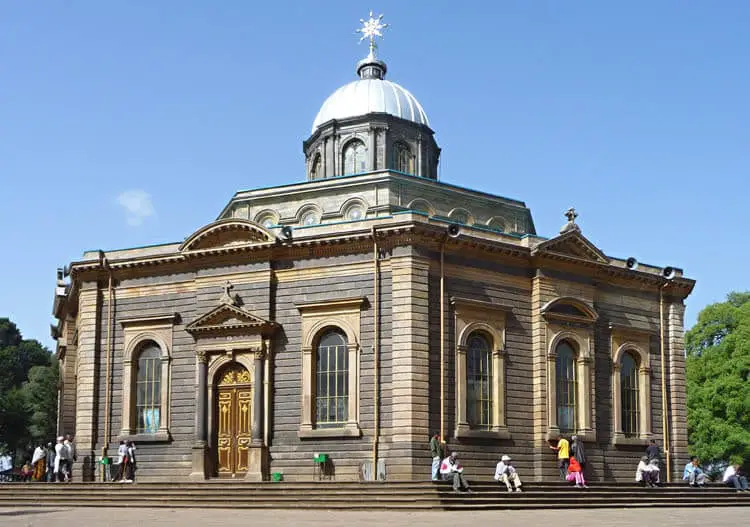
(652, 451)
(578, 452)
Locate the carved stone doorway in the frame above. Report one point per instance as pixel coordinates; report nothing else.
(233, 411)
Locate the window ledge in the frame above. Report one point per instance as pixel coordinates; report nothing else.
(464, 432)
(350, 430)
(588, 436)
(162, 436)
(622, 440)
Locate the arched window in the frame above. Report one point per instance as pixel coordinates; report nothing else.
(402, 158)
(148, 390)
(629, 394)
(566, 387)
(331, 380)
(479, 382)
(355, 157)
(315, 171)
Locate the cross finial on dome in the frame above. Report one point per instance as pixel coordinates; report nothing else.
(372, 28)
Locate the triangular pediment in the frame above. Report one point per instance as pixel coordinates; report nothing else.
(571, 245)
(227, 234)
(227, 317)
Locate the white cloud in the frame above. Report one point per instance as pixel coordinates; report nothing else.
(137, 205)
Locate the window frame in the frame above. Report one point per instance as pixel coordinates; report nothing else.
(485, 400)
(331, 373)
(637, 344)
(138, 333)
(344, 316)
(402, 153)
(354, 144)
(152, 383)
(569, 386)
(488, 319)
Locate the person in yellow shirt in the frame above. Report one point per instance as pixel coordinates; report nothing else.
(563, 456)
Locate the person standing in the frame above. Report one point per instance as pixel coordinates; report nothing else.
(39, 461)
(577, 451)
(506, 473)
(131, 466)
(50, 461)
(733, 478)
(652, 450)
(60, 460)
(71, 456)
(563, 456)
(437, 452)
(122, 454)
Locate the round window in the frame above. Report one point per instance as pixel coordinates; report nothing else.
(354, 213)
(268, 223)
(309, 218)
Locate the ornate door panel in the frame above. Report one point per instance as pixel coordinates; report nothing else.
(234, 429)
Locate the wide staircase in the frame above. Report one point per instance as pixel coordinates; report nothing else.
(415, 495)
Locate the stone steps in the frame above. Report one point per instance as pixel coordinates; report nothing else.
(362, 496)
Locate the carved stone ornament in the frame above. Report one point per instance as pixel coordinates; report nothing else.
(201, 357)
(571, 214)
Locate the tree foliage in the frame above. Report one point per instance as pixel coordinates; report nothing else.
(718, 381)
(28, 390)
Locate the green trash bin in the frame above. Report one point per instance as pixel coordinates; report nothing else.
(320, 458)
(277, 476)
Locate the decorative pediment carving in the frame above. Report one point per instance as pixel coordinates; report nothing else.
(573, 245)
(228, 317)
(227, 234)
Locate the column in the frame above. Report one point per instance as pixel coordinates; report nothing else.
(675, 351)
(201, 433)
(258, 410)
(89, 303)
(257, 466)
(410, 362)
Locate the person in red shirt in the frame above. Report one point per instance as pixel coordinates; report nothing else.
(575, 473)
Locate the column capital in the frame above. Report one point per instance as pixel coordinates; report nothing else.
(259, 353)
(201, 357)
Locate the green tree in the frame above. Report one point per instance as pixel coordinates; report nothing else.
(718, 381)
(28, 390)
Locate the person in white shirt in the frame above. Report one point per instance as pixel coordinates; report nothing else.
(451, 468)
(733, 478)
(645, 473)
(61, 467)
(506, 473)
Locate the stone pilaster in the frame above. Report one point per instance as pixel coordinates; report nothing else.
(86, 385)
(410, 351)
(201, 402)
(675, 313)
(543, 406)
(257, 455)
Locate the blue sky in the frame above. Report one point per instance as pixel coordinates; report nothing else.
(636, 113)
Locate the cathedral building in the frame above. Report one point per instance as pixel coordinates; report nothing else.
(337, 323)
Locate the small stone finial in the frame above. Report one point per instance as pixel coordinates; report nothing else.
(226, 297)
(571, 214)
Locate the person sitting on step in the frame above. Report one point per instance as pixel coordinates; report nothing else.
(645, 474)
(693, 473)
(450, 468)
(733, 478)
(506, 473)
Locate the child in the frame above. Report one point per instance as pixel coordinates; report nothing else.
(575, 473)
(26, 471)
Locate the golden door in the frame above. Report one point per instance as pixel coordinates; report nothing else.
(234, 397)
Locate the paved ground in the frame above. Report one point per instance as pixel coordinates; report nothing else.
(23, 517)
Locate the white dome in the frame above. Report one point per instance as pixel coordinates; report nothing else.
(368, 96)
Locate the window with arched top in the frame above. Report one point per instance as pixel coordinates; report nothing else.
(315, 171)
(331, 380)
(565, 370)
(402, 158)
(479, 382)
(148, 389)
(630, 413)
(355, 157)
